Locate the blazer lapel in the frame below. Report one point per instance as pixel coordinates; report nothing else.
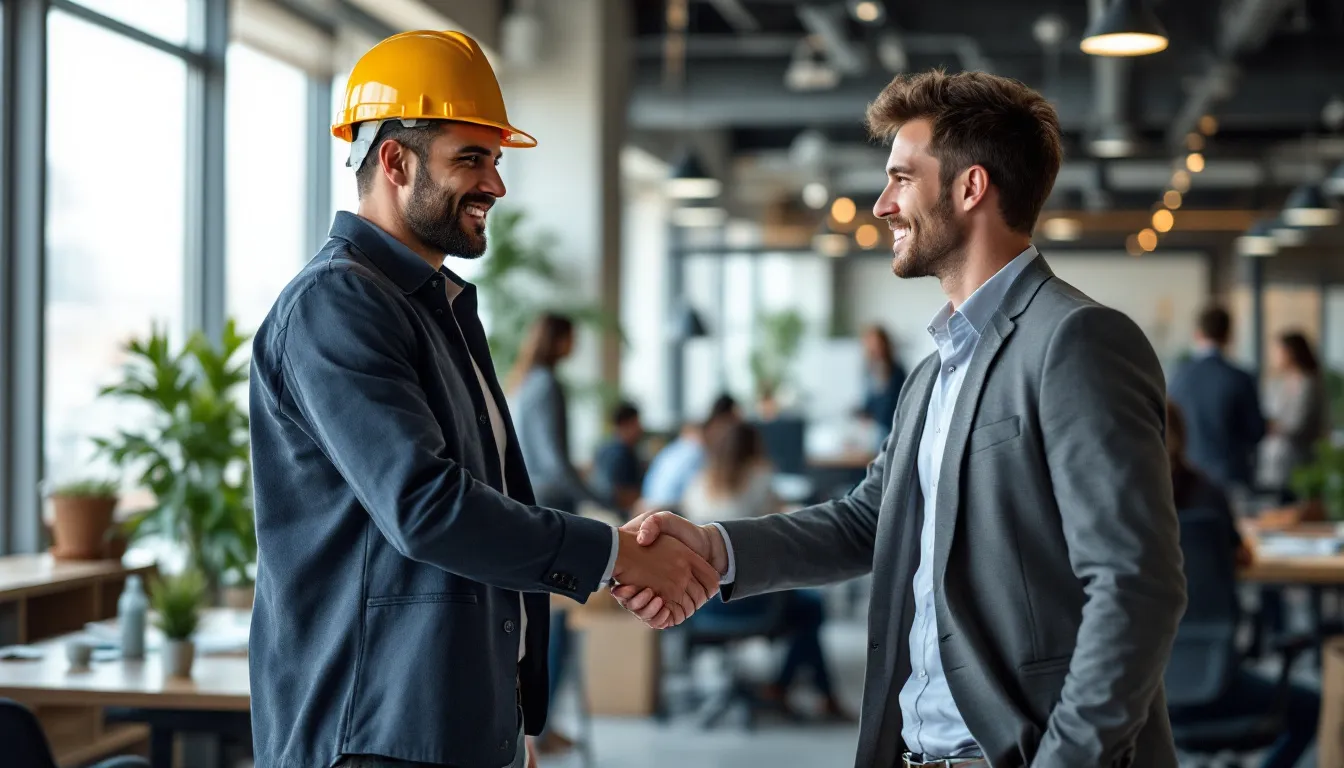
(996, 332)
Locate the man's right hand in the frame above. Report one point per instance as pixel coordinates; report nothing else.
(680, 578)
(650, 527)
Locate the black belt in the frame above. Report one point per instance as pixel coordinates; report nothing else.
(910, 760)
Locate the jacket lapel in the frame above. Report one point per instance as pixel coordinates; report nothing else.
(992, 338)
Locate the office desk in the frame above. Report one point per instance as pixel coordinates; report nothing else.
(216, 699)
(1290, 569)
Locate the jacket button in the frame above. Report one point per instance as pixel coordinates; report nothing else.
(504, 745)
(508, 626)
(434, 283)
(872, 646)
(438, 311)
(483, 418)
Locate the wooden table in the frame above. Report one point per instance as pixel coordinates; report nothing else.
(1291, 569)
(216, 697)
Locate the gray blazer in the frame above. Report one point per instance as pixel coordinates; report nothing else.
(1058, 574)
(542, 420)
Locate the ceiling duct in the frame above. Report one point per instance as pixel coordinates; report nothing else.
(829, 25)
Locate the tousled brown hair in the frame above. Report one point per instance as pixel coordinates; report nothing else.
(542, 347)
(980, 119)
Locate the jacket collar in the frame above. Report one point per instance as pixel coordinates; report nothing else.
(391, 256)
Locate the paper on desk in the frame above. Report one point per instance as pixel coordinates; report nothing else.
(1282, 545)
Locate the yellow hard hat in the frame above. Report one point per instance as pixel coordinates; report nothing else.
(426, 75)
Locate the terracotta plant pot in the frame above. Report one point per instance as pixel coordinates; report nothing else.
(80, 525)
(178, 656)
(240, 598)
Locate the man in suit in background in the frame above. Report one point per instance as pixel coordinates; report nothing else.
(1221, 404)
(1019, 521)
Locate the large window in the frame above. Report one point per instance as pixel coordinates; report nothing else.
(166, 19)
(265, 177)
(344, 193)
(116, 122)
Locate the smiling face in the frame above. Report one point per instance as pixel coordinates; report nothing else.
(927, 233)
(454, 189)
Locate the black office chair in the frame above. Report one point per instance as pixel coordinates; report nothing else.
(1205, 656)
(725, 626)
(785, 441)
(25, 745)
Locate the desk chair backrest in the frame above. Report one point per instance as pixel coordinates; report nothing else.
(21, 738)
(785, 444)
(1204, 657)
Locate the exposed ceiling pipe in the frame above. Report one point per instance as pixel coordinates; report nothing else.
(828, 23)
(964, 47)
(1113, 132)
(1245, 26)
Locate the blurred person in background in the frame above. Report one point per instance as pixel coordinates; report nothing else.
(541, 416)
(1251, 695)
(672, 470)
(1296, 410)
(735, 485)
(1221, 403)
(883, 378)
(617, 469)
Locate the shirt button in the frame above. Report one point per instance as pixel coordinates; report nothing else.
(434, 283)
(951, 368)
(508, 626)
(923, 675)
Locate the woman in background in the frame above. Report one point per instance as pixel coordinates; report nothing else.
(883, 379)
(735, 484)
(1296, 411)
(540, 417)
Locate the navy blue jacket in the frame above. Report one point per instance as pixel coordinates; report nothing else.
(1221, 406)
(387, 613)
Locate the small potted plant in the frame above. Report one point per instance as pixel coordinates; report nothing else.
(177, 604)
(82, 519)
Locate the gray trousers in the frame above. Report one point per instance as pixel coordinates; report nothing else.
(373, 761)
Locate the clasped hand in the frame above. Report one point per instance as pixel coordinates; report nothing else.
(667, 568)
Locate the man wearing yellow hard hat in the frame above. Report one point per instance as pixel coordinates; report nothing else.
(401, 615)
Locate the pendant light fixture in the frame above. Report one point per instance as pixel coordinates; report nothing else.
(1126, 28)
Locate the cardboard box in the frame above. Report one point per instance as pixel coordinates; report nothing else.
(1330, 736)
(621, 660)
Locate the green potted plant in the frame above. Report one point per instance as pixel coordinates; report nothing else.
(780, 336)
(81, 519)
(192, 450)
(1320, 484)
(177, 602)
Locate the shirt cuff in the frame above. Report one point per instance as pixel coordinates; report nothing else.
(611, 561)
(731, 575)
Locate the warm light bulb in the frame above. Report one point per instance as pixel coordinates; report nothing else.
(1180, 181)
(1172, 199)
(1208, 125)
(866, 236)
(1163, 220)
(1194, 162)
(843, 210)
(1148, 240)
(1194, 142)
(867, 11)
(815, 195)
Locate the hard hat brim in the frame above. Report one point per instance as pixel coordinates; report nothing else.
(511, 137)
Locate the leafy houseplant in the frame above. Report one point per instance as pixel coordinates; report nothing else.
(517, 270)
(82, 519)
(192, 452)
(177, 604)
(781, 334)
(1322, 481)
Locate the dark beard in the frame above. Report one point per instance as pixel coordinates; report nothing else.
(936, 246)
(436, 221)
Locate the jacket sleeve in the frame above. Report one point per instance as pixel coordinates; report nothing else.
(347, 355)
(1103, 414)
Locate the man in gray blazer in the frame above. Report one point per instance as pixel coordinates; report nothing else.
(1019, 521)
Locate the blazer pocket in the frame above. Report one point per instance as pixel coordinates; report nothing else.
(1045, 666)
(434, 597)
(992, 434)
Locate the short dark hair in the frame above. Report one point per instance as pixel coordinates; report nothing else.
(1215, 324)
(980, 119)
(416, 139)
(624, 413)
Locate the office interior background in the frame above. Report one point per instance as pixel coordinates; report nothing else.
(700, 201)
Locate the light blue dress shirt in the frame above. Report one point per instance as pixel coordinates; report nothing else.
(672, 471)
(932, 724)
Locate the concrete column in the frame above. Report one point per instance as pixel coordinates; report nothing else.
(574, 102)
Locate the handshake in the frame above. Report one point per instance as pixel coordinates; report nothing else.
(667, 567)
